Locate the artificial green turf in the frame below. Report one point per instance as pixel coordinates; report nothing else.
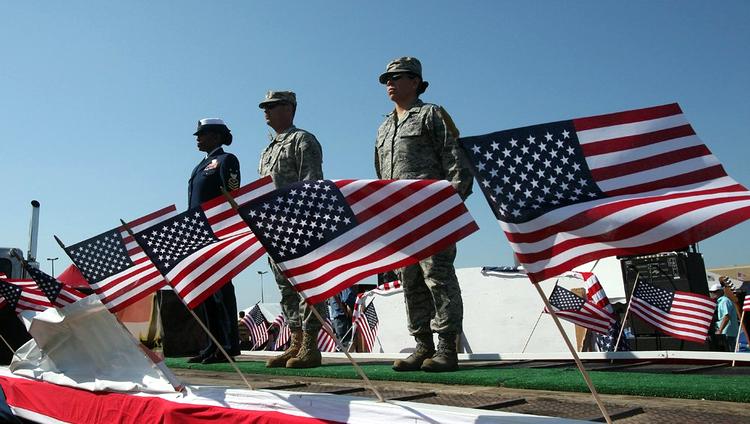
(710, 387)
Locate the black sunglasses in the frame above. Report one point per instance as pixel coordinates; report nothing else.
(396, 77)
(272, 105)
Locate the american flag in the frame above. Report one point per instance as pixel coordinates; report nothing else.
(746, 302)
(24, 295)
(200, 250)
(2, 299)
(57, 293)
(115, 266)
(284, 334)
(327, 235)
(256, 323)
(741, 276)
(594, 291)
(326, 343)
(366, 325)
(384, 289)
(679, 314)
(636, 182)
(571, 307)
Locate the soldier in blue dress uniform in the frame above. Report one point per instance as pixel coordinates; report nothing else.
(218, 169)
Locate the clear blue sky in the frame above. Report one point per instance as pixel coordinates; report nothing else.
(98, 102)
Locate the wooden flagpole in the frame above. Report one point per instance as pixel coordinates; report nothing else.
(739, 332)
(11, 349)
(528, 339)
(627, 311)
(585, 374)
(356, 366)
(198, 320)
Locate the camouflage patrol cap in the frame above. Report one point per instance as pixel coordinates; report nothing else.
(404, 64)
(278, 97)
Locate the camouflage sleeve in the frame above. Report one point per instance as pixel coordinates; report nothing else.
(377, 161)
(454, 162)
(230, 172)
(310, 157)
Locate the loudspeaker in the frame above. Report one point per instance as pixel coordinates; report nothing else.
(680, 271)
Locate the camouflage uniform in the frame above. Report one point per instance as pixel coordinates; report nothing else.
(421, 146)
(293, 155)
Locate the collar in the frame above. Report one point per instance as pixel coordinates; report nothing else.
(216, 150)
(282, 135)
(416, 105)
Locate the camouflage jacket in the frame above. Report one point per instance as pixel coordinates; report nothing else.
(421, 147)
(293, 155)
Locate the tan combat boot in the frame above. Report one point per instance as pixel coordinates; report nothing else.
(309, 355)
(290, 352)
(446, 357)
(425, 349)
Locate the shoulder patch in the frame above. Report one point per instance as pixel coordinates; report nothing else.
(449, 124)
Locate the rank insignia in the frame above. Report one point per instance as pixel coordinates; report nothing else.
(233, 182)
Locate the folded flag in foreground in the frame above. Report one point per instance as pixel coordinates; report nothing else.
(115, 266)
(366, 325)
(257, 325)
(571, 307)
(569, 192)
(24, 295)
(327, 235)
(682, 315)
(201, 249)
(55, 291)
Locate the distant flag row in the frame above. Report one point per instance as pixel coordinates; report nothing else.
(260, 329)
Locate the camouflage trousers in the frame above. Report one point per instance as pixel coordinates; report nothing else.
(432, 295)
(298, 313)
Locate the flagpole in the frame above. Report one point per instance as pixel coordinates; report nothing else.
(202, 325)
(627, 311)
(532, 332)
(356, 366)
(11, 349)
(578, 362)
(739, 332)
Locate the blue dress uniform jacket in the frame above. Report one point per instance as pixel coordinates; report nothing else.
(219, 169)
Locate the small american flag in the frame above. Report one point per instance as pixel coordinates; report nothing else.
(24, 295)
(56, 292)
(327, 235)
(741, 276)
(256, 323)
(571, 307)
(746, 303)
(2, 299)
(384, 289)
(200, 250)
(115, 266)
(326, 343)
(366, 326)
(284, 334)
(679, 314)
(636, 182)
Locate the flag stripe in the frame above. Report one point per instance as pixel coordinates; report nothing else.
(637, 165)
(661, 137)
(684, 173)
(627, 117)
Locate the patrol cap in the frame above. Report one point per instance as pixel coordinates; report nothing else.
(216, 125)
(405, 64)
(278, 97)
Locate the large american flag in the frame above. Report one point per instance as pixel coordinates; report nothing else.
(115, 266)
(57, 293)
(571, 307)
(256, 323)
(569, 192)
(327, 235)
(366, 325)
(201, 249)
(24, 295)
(679, 314)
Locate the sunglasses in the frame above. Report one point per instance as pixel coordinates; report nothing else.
(273, 105)
(396, 77)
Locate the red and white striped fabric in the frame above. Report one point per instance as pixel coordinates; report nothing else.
(594, 291)
(746, 303)
(580, 311)
(385, 289)
(124, 285)
(217, 244)
(682, 315)
(644, 182)
(326, 343)
(2, 299)
(58, 293)
(284, 334)
(31, 297)
(366, 325)
(355, 228)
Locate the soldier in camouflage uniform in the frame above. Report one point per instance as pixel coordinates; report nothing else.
(293, 155)
(418, 140)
